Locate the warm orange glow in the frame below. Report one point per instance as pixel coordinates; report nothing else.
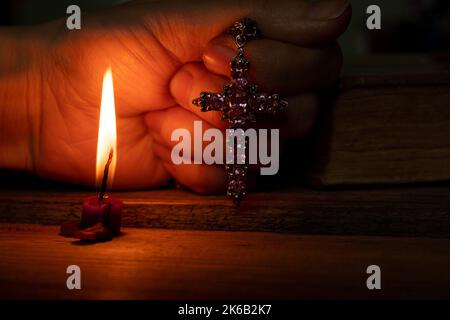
(107, 136)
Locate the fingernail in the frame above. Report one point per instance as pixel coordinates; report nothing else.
(326, 10)
(218, 55)
(223, 51)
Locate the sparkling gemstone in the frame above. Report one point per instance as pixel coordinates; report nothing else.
(241, 82)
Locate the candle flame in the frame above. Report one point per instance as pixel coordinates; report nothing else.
(107, 136)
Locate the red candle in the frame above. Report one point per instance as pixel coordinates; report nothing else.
(107, 212)
(101, 215)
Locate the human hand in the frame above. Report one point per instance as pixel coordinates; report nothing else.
(162, 56)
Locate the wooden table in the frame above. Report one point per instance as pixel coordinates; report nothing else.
(288, 244)
(168, 264)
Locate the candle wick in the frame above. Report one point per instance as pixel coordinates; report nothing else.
(101, 195)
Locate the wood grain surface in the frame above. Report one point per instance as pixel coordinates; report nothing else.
(399, 212)
(163, 264)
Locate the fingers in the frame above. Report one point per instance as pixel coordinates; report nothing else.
(135, 145)
(298, 70)
(189, 82)
(200, 178)
(300, 22)
(297, 120)
(292, 69)
(163, 123)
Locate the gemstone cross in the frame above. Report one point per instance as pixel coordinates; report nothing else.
(239, 103)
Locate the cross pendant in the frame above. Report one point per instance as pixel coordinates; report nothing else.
(239, 103)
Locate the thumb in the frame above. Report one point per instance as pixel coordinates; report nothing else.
(186, 27)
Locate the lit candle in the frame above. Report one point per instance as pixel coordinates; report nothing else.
(101, 214)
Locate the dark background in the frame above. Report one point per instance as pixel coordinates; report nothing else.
(407, 25)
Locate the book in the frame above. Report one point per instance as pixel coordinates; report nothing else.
(388, 122)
